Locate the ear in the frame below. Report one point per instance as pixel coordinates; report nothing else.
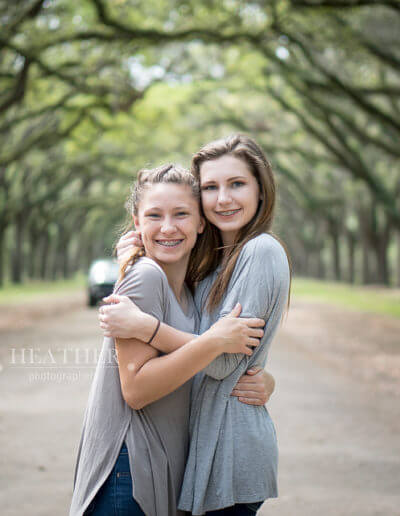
(202, 225)
(136, 222)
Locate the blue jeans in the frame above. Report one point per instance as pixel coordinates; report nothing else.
(240, 509)
(114, 498)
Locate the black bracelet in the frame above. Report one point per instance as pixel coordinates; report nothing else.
(155, 331)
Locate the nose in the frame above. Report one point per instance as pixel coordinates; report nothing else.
(224, 196)
(168, 227)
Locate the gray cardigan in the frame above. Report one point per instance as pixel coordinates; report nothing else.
(233, 451)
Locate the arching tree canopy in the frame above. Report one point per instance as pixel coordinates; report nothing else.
(92, 91)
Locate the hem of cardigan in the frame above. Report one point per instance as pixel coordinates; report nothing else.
(99, 484)
(227, 503)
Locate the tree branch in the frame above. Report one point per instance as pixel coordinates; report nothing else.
(346, 4)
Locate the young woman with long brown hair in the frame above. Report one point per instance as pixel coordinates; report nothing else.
(133, 448)
(232, 462)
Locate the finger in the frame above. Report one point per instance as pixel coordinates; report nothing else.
(129, 242)
(253, 322)
(247, 393)
(126, 235)
(123, 255)
(248, 380)
(253, 332)
(251, 401)
(252, 342)
(125, 252)
(248, 387)
(113, 298)
(236, 310)
(253, 371)
(105, 309)
(248, 377)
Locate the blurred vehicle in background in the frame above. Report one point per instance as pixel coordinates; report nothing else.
(102, 276)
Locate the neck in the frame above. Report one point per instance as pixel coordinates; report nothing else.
(176, 273)
(228, 238)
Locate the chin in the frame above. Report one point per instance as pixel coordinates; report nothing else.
(169, 258)
(229, 226)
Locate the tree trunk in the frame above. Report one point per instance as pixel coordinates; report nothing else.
(17, 254)
(380, 242)
(382, 264)
(321, 271)
(364, 225)
(2, 243)
(398, 259)
(334, 234)
(44, 254)
(32, 258)
(351, 245)
(54, 265)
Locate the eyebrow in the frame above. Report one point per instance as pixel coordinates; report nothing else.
(181, 207)
(229, 179)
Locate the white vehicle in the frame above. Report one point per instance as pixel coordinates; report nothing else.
(102, 276)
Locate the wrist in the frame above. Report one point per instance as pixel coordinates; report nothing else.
(213, 343)
(147, 327)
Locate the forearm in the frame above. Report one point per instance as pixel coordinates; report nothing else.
(169, 339)
(162, 375)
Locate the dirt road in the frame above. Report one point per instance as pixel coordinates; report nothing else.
(336, 408)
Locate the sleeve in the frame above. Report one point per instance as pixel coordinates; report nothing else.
(144, 284)
(260, 283)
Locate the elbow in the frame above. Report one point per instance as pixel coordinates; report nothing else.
(134, 402)
(221, 367)
(133, 399)
(217, 373)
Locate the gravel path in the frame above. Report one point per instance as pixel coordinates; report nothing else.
(336, 408)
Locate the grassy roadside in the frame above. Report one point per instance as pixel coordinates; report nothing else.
(374, 299)
(377, 300)
(15, 294)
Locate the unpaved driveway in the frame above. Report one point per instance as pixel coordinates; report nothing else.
(336, 408)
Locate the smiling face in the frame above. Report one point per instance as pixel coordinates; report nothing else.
(169, 221)
(230, 194)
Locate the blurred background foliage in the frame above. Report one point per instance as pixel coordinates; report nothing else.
(92, 91)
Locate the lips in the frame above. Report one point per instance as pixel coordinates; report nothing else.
(169, 243)
(227, 213)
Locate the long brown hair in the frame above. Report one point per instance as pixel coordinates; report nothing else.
(246, 149)
(167, 174)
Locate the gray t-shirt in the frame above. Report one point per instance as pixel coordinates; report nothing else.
(157, 435)
(233, 451)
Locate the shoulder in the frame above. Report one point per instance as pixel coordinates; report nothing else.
(265, 248)
(266, 262)
(147, 267)
(145, 272)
